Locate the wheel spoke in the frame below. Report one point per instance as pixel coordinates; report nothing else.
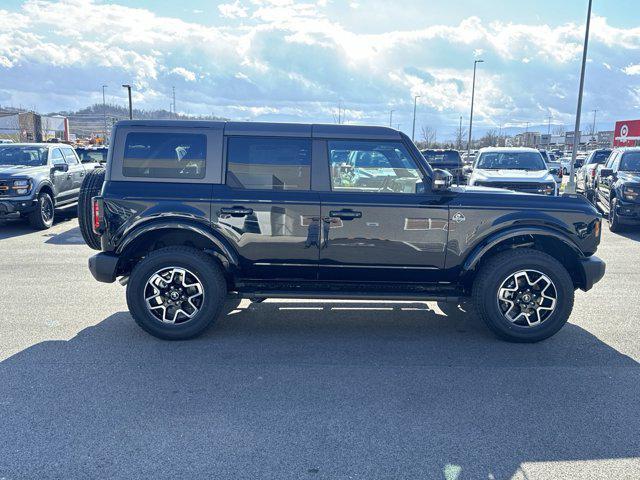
(527, 298)
(174, 295)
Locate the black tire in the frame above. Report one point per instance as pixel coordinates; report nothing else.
(614, 220)
(591, 196)
(42, 217)
(91, 187)
(207, 272)
(497, 269)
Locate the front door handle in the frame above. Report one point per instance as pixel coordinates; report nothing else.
(345, 214)
(237, 211)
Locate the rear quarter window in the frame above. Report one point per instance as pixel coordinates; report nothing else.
(164, 155)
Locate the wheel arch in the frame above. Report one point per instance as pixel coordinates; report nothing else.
(48, 188)
(539, 238)
(154, 235)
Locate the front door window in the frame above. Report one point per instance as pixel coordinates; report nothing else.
(369, 166)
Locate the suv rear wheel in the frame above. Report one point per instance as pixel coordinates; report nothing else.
(176, 293)
(523, 295)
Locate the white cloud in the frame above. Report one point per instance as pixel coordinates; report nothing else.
(188, 75)
(632, 69)
(232, 10)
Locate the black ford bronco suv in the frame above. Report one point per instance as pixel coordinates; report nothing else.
(192, 213)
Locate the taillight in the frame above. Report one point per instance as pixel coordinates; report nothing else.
(593, 173)
(97, 215)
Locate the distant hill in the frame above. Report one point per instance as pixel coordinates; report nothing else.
(90, 120)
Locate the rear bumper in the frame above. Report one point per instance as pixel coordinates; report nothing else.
(592, 270)
(103, 266)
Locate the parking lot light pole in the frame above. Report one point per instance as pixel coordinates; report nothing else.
(413, 130)
(390, 117)
(104, 115)
(128, 87)
(570, 188)
(473, 93)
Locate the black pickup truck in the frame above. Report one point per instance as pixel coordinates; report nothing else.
(193, 212)
(617, 188)
(38, 178)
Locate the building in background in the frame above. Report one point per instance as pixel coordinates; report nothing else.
(32, 127)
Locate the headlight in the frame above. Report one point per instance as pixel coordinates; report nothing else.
(21, 187)
(631, 193)
(547, 188)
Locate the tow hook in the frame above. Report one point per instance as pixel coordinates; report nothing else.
(123, 281)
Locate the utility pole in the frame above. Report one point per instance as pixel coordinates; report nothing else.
(128, 87)
(571, 186)
(104, 115)
(390, 117)
(473, 93)
(173, 89)
(459, 142)
(593, 128)
(413, 130)
(549, 126)
(339, 112)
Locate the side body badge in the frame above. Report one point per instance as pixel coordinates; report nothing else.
(458, 217)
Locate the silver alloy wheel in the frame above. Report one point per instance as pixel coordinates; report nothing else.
(527, 298)
(174, 295)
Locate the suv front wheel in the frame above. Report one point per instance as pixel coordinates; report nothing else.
(176, 293)
(523, 295)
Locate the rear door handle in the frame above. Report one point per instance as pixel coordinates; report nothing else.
(345, 214)
(237, 211)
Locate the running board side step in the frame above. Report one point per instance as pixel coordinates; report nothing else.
(346, 295)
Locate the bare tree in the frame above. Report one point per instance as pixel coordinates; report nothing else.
(459, 135)
(489, 139)
(429, 136)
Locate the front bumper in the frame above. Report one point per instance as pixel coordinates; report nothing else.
(628, 213)
(592, 270)
(103, 266)
(9, 207)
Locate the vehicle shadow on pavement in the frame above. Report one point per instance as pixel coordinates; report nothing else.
(314, 390)
(68, 237)
(15, 227)
(630, 234)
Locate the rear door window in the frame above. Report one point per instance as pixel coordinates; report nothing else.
(70, 156)
(269, 163)
(165, 155)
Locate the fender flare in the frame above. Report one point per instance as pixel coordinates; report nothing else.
(46, 183)
(190, 225)
(494, 239)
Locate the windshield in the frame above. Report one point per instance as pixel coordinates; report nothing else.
(511, 161)
(448, 158)
(600, 157)
(23, 156)
(630, 162)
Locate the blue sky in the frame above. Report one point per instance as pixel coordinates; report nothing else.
(280, 60)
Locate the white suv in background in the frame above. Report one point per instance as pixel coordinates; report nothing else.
(519, 169)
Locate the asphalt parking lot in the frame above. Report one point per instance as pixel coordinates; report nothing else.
(307, 390)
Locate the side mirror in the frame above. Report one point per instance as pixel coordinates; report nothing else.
(441, 180)
(60, 167)
(606, 172)
(467, 169)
